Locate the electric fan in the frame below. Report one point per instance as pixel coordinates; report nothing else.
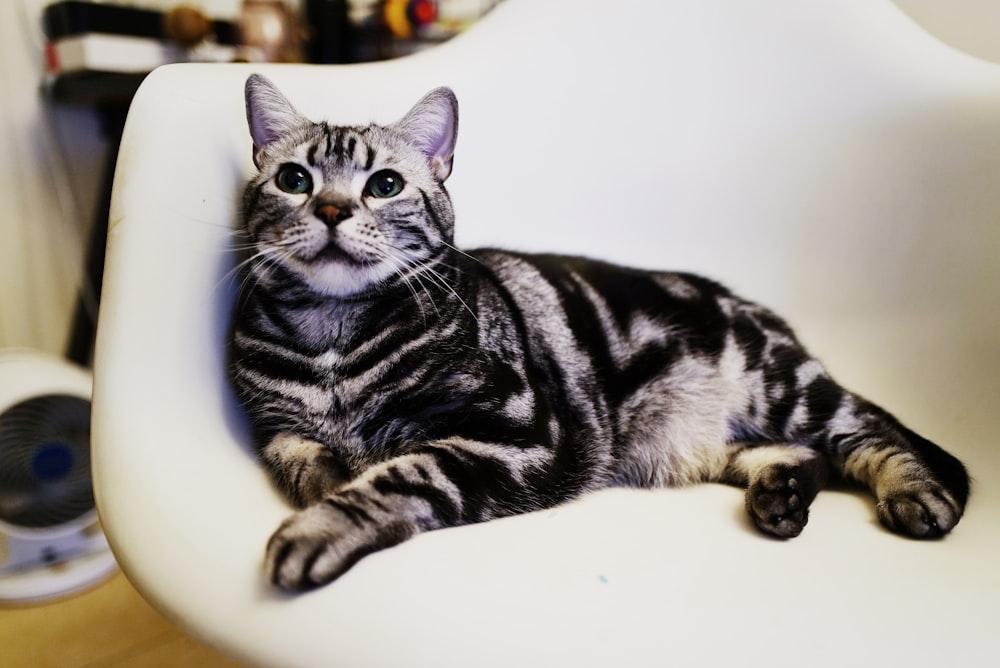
(51, 543)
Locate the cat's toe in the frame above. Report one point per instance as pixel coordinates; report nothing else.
(317, 545)
(924, 510)
(307, 550)
(775, 502)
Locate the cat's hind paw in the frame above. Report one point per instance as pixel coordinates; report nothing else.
(919, 510)
(776, 502)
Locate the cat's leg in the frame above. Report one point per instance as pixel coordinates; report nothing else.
(437, 485)
(920, 490)
(304, 470)
(781, 482)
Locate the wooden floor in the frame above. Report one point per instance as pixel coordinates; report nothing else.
(109, 626)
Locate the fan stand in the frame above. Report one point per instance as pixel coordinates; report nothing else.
(58, 580)
(49, 555)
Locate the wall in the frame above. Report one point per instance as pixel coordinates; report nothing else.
(968, 25)
(51, 162)
(39, 239)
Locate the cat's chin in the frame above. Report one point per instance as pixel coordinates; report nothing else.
(337, 278)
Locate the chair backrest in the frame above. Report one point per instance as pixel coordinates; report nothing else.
(829, 159)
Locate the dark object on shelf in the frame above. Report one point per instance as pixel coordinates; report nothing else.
(75, 17)
(110, 93)
(330, 36)
(99, 89)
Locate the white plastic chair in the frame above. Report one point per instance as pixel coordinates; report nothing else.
(831, 160)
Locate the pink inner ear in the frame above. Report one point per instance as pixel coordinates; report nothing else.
(441, 167)
(259, 131)
(269, 123)
(444, 149)
(432, 126)
(269, 115)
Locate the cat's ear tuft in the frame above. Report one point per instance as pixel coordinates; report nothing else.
(269, 115)
(432, 125)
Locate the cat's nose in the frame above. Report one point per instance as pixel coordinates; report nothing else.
(331, 214)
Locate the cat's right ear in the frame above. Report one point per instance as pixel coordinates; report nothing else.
(269, 115)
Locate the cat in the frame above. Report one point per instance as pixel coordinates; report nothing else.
(396, 384)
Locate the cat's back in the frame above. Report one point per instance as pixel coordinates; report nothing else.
(620, 327)
(592, 297)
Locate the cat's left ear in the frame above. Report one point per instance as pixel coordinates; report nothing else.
(432, 125)
(270, 115)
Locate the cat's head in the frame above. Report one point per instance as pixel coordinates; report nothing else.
(348, 209)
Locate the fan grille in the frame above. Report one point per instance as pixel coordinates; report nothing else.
(45, 461)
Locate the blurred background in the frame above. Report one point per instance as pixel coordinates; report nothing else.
(54, 139)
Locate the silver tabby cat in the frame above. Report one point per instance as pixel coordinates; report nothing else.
(397, 385)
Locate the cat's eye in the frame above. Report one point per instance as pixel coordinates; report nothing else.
(385, 183)
(294, 180)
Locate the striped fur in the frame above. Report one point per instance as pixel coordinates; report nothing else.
(398, 385)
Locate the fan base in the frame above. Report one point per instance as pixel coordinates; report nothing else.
(46, 583)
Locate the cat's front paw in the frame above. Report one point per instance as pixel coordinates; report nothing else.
(305, 470)
(777, 503)
(316, 545)
(919, 510)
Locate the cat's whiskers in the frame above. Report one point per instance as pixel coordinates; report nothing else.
(427, 267)
(462, 252)
(409, 236)
(259, 266)
(399, 267)
(440, 280)
(240, 268)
